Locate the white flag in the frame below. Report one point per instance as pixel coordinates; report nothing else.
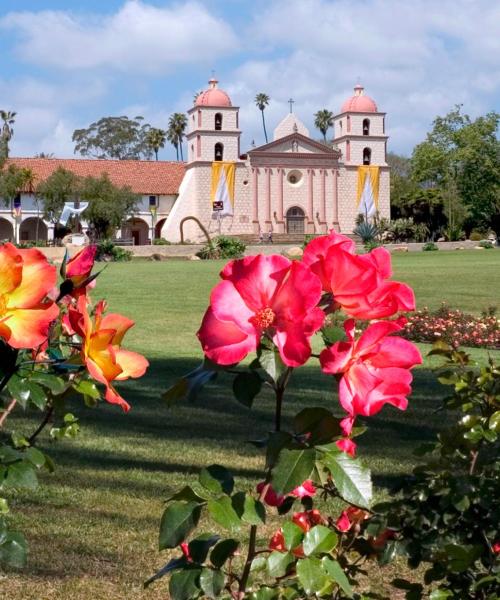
(367, 202)
(70, 210)
(222, 195)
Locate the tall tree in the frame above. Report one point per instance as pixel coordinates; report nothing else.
(109, 206)
(7, 132)
(323, 120)
(176, 132)
(461, 157)
(13, 181)
(156, 139)
(114, 137)
(60, 187)
(261, 101)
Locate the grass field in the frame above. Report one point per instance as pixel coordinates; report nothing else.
(92, 525)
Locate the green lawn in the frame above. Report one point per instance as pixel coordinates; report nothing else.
(92, 526)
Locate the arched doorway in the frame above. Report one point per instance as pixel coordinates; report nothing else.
(159, 227)
(138, 230)
(32, 229)
(295, 220)
(6, 231)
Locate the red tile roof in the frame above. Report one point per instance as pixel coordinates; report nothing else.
(143, 176)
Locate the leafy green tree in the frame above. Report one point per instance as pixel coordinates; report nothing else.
(323, 120)
(13, 181)
(60, 187)
(176, 132)
(461, 157)
(261, 101)
(7, 131)
(114, 137)
(156, 139)
(108, 206)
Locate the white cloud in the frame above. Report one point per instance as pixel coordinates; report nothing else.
(139, 37)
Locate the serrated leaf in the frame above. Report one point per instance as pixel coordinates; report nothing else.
(292, 469)
(270, 361)
(184, 585)
(246, 386)
(19, 390)
(335, 571)
(223, 513)
(254, 512)
(178, 520)
(87, 388)
(278, 563)
(52, 382)
(13, 550)
(188, 494)
(21, 475)
(222, 551)
(216, 479)
(319, 539)
(35, 457)
(311, 575)
(276, 442)
(319, 423)
(352, 479)
(211, 582)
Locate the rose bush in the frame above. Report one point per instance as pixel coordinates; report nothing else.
(270, 308)
(54, 347)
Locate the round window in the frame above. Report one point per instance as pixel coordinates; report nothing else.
(294, 177)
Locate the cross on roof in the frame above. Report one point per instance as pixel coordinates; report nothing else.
(291, 102)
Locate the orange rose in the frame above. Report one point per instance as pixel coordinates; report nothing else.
(106, 361)
(26, 278)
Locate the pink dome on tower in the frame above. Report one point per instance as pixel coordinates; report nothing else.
(213, 96)
(359, 102)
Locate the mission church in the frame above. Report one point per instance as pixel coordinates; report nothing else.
(291, 185)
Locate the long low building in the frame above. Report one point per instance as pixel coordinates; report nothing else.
(290, 185)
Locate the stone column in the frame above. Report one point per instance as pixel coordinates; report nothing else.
(268, 196)
(255, 207)
(310, 200)
(335, 220)
(281, 175)
(322, 211)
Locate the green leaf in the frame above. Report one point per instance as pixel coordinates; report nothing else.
(292, 534)
(212, 582)
(188, 494)
(87, 388)
(184, 584)
(319, 540)
(352, 479)
(494, 422)
(335, 571)
(187, 387)
(278, 563)
(311, 575)
(254, 512)
(461, 557)
(21, 475)
(277, 441)
(52, 382)
(19, 390)
(258, 564)
(35, 457)
(246, 386)
(37, 395)
(264, 593)
(222, 551)
(223, 513)
(319, 423)
(270, 361)
(292, 469)
(13, 551)
(178, 520)
(217, 479)
(200, 546)
(440, 594)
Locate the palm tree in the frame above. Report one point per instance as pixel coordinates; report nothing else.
(156, 139)
(323, 120)
(175, 134)
(8, 119)
(261, 101)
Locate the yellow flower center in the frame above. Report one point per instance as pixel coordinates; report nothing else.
(264, 318)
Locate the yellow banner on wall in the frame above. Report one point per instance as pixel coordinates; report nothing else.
(368, 188)
(222, 187)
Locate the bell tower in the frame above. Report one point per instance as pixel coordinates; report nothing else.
(213, 127)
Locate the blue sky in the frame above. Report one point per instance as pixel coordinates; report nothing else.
(66, 64)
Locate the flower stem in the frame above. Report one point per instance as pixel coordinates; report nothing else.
(41, 427)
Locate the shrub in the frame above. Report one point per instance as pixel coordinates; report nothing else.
(429, 247)
(32, 244)
(448, 516)
(108, 251)
(476, 236)
(161, 242)
(486, 244)
(223, 247)
(366, 231)
(405, 230)
(369, 246)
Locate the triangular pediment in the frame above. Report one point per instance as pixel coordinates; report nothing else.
(295, 143)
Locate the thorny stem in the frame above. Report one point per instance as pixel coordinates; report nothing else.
(7, 411)
(41, 427)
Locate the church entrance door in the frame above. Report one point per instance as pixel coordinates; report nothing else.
(295, 220)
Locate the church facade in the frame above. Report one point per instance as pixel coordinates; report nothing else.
(291, 185)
